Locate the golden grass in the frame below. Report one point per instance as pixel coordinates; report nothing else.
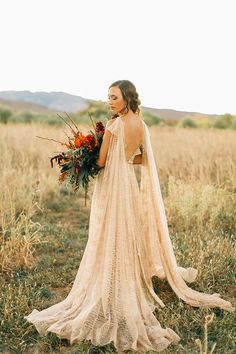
(197, 170)
(26, 181)
(194, 204)
(196, 154)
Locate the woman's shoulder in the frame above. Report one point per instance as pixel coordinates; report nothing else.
(111, 126)
(111, 121)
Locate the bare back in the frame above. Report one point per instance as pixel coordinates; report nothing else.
(133, 135)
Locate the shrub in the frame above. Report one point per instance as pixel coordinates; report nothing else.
(5, 114)
(188, 123)
(225, 121)
(152, 119)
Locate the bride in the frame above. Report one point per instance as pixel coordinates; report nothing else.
(112, 298)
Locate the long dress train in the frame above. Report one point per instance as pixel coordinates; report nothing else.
(112, 298)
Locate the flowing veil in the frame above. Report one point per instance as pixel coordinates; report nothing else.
(157, 240)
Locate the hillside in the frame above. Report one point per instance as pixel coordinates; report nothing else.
(51, 102)
(176, 115)
(21, 106)
(54, 101)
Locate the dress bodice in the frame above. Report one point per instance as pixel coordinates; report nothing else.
(136, 152)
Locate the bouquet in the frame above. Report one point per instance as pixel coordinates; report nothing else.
(78, 163)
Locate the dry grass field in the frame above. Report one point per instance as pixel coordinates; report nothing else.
(44, 229)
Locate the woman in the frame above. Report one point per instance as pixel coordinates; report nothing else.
(112, 298)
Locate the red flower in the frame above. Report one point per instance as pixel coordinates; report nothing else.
(89, 137)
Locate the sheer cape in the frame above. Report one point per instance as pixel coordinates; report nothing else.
(112, 298)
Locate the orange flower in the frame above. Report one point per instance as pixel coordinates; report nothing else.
(79, 140)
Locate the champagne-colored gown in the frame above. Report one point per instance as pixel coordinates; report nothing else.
(112, 297)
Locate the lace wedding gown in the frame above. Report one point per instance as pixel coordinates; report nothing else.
(112, 298)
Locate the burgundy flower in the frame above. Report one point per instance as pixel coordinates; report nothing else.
(99, 127)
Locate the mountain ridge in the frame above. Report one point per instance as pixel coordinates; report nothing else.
(43, 102)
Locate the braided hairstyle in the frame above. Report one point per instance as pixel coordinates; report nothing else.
(129, 94)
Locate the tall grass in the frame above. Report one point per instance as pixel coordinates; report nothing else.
(189, 154)
(200, 206)
(197, 171)
(26, 182)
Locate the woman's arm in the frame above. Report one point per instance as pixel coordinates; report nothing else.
(101, 161)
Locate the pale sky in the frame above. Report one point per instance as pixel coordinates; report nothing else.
(180, 54)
